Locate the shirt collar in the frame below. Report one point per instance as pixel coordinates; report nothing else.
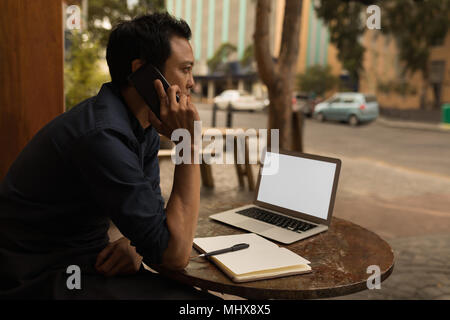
(118, 113)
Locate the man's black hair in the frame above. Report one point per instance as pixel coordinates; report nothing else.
(146, 37)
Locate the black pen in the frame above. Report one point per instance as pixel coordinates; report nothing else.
(236, 247)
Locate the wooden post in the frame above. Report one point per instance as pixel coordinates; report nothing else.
(298, 121)
(214, 115)
(31, 72)
(229, 115)
(248, 166)
(239, 169)
(207, 177)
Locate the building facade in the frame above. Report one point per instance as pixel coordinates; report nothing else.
(315, 45)
(383, 74)
(314, 40)
(216, 22)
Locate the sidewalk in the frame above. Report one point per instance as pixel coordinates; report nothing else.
(407, 124)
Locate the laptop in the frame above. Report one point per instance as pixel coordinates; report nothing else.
(294, 197)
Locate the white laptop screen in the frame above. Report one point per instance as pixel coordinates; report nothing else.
(299, 184)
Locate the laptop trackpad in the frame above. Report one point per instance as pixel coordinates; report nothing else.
(253, 226)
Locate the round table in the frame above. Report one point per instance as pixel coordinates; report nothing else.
(339, 258)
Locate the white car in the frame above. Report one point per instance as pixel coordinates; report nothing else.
(239, 100)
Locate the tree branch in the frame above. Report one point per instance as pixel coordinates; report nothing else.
(291, 35)
(261, 37)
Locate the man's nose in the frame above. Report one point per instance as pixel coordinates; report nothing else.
(191, 82)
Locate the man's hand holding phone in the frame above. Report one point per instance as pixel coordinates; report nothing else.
(174, 115)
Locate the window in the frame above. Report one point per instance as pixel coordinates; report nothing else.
(437, 71)
(370, 98)
(334, 99)
(437, 42)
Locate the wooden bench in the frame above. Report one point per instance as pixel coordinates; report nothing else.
(242, 170)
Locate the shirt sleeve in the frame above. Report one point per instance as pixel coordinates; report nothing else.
(110, 165)
(151, 162)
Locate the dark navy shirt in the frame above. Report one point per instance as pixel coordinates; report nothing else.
(88, 165)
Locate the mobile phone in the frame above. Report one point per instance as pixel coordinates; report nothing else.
(143, 80)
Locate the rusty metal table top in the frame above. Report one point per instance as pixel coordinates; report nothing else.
(339, 261)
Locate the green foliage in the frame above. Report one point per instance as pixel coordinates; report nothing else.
(345, 26)
(82, 75)
(416, 25)
(317, 79)
(220, 56)
(398, 86)
(114, 11)
(248, 56)
(146, 6)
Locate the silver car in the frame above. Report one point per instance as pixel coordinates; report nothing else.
(351, 107)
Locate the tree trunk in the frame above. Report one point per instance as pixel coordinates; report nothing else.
(279, 76)
(437, 93)
(298, 120)
(229, 84)
(280, 113)
(423, 95)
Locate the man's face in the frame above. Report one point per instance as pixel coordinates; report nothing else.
(178, 67)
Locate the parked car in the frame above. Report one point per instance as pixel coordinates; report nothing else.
(304, 103)
(351, 107)
(239, 100)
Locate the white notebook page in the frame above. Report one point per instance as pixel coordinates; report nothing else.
(261, 255)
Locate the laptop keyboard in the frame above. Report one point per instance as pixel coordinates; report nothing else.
(277, 220)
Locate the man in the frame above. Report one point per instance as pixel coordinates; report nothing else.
(98, 162)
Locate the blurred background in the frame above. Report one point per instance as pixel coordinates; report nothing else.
(365, 81)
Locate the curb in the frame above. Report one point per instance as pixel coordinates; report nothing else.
(441, 127)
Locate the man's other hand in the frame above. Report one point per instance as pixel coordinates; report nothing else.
(118, 258)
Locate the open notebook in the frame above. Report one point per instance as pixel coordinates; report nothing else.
(262, 260)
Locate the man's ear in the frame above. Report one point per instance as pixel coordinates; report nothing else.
(136, 64)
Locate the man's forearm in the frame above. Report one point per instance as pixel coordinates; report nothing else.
(186, 191)
(182, 214)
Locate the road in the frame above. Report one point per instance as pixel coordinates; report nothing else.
(409, 149)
